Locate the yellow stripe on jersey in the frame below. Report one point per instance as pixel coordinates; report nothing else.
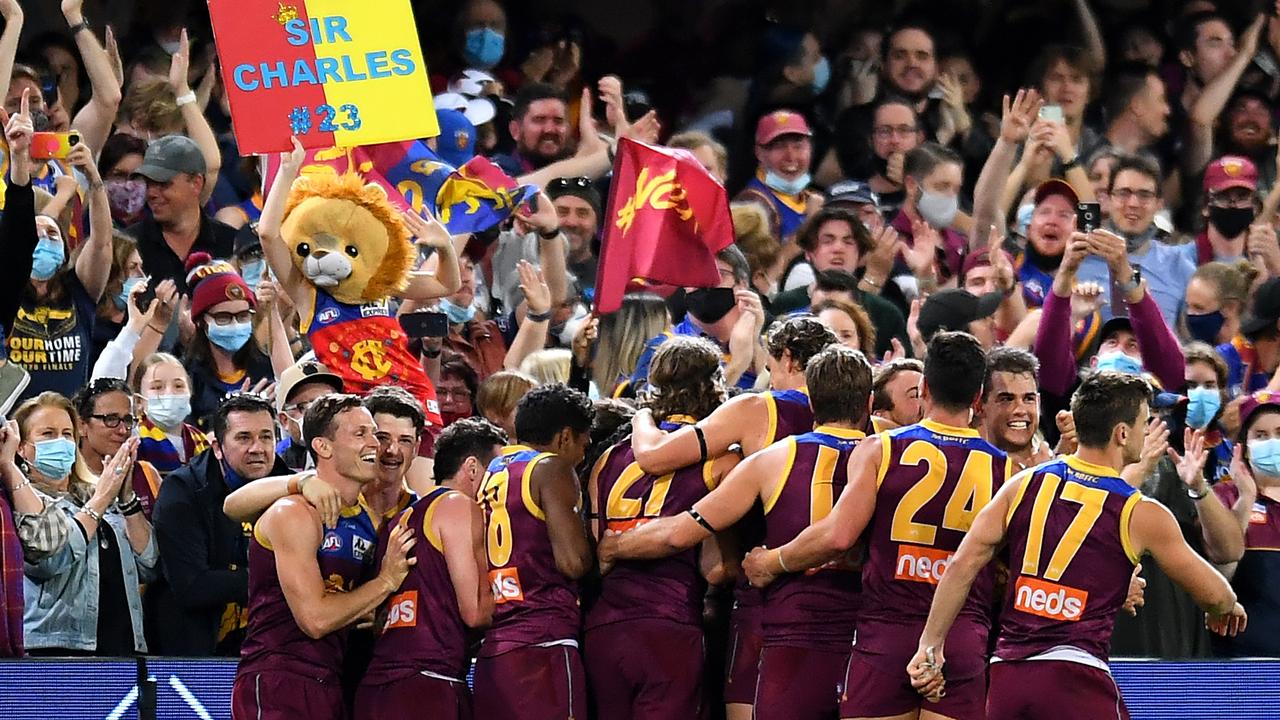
(1126, 516)
(782, 479)
(884, 460)
(262, 539)
(427, 517)
(951, 430)
(526, 487)
(771, 411)
(1022, 479)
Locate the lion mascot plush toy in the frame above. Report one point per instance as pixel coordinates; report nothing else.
(341, 250)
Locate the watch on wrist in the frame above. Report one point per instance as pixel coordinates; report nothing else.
(549, 234)
(1191, 493)
(1071, 164)
(1128, 286)
(82, 25)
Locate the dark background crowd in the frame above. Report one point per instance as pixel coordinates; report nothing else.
(896, 169)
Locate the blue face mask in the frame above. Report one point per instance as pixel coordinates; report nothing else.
(168, 411)
(251, 272)
(457, 314)
(55, 458)
(230, 337)
(821, 75)
(47, 258)
(1118, 362)
(1202, 406)
(780, 184)
(1264, 456)
(122, 298)
(1206, 327)
(483, 47)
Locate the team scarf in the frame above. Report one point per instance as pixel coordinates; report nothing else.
(11, 580)
(155, 447)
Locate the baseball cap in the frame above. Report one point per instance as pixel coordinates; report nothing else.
(1113, 326)
(954, 309)
(779, 123)
(1265, 310)
(979, 258)
(456, 143)
(1231, 171)
(301, 373)
(1252, 403)
(170, 156)
(478, 110)
(214, 281)
(853, 191)
(1054, 186)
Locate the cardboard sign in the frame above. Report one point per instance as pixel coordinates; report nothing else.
(334, 73)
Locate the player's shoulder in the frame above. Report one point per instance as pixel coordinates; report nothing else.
(290, 516)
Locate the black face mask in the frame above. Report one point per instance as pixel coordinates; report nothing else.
(707, 305)
(1230, 222)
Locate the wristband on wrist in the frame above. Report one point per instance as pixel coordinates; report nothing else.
(133, 507)
(432, 354)
(1191, 493)
(186, 99)
(780, 563)
(549, 234)
(538, 317)
(82, 25)
(1070, 164)
(97, 516)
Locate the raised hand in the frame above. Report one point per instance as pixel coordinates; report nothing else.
(1242, 475)
(180, 67)
(545, 219)
(589, 141)
(10, 439)
(113, 56)
(291, 161)
(1191, 464)
(610, 88)
(896, 351)
(537, 295)
(18, 128)
(1018, 116)
(82, 157)
(922, 254)
(1067, 442)
(1086, 298)
(583, 341)
(879, 262)
(428, 231)
(10, 10)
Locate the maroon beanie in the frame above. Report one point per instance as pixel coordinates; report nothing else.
(212, 282)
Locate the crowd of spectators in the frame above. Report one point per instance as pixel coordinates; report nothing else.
(895, 169)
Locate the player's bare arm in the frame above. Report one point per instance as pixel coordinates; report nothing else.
(293, 530)
(741, 421)
(827, 539)
(976, 551)
(719, 510)
(459, 523)
(250, 500)
(555, 486)
(1154, 529)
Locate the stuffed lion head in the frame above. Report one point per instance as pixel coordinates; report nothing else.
(346, 238)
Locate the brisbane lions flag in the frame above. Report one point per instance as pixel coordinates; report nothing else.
(667, 219)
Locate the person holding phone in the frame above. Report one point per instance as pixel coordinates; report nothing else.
(52, 336)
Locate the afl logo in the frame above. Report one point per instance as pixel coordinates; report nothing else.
(332, 543)
(327, 315)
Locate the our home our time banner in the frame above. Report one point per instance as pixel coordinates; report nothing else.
(335, 73)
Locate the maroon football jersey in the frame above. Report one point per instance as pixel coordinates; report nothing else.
(934, 479)
(1070, 559)
(535, 603)
(424, 628)
(818, 608)
(789, 413)
(273, 640)
(670, 588)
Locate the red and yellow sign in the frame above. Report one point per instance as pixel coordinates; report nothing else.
(331, 72)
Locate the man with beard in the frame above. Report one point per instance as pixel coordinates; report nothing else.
(1053, 219)
(1246, 131)
(578, 204)
(1215, 68)
(910, 71)
(1135, 199)
(784, 149)
(895, 131)
(730, 314)
(1009, 414)
(540, 128)
(1231, 206)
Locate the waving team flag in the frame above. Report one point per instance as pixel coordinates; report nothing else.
(466, 199)
(667, 220)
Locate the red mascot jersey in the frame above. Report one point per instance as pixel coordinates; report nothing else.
(366, 346)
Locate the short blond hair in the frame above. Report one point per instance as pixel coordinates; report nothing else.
(152, 106)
